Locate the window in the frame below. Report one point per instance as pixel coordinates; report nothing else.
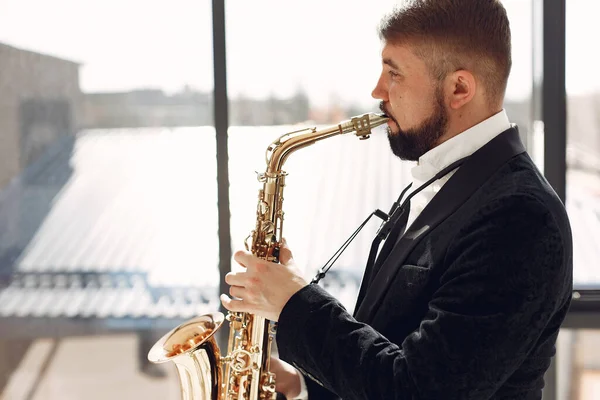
(108, 216)
(316, 63)
(300, 65)
(583, 142)
(518, 100)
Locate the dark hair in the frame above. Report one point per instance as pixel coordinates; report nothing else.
(456, 34)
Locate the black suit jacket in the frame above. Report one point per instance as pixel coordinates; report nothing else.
(467, 305)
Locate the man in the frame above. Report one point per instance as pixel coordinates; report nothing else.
(468, 301)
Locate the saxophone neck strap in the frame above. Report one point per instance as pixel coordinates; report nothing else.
(389, 221)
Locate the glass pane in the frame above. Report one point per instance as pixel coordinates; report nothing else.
(583, 141)
(518, 101)
(578, 363)
(108, 222)
(314, 64)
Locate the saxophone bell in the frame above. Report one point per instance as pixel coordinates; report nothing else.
(193, 348)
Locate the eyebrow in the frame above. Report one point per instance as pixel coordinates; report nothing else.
(391, 63)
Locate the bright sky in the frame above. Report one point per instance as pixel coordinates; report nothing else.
(329, 47)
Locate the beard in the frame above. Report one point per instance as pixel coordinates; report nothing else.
(410, 144)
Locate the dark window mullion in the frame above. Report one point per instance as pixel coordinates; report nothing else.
(554, 103)
(221, 123)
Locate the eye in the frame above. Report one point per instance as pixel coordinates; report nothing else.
(394, 74)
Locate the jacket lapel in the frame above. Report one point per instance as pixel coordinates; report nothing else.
(467, 179)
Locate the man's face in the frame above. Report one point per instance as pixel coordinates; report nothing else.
(413, 100)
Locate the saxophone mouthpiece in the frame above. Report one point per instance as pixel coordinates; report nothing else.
(364, 124)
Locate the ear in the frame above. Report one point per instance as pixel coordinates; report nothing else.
(460, 88)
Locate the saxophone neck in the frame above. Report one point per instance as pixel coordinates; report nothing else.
(280, 149)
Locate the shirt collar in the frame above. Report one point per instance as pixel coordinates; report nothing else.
(459, 146)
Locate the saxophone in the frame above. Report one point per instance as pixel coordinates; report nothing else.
(244, 372)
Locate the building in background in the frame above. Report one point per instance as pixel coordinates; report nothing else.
(40, 101)
(147, 108)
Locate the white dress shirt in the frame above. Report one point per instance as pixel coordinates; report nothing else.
(440, 157)
(435, 160)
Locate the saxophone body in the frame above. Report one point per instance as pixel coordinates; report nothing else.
(243, 373)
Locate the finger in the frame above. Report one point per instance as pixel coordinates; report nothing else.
(234, 304)
(243, 258)
(285, 254)
(238, 292)
(275, 365)
(236, 278)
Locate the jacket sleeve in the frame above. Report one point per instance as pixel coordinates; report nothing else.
(507, 273)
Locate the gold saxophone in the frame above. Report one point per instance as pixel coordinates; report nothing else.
(244, 373)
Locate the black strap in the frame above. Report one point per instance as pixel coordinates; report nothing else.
(325, 268)
(394, 225)
(399, 226)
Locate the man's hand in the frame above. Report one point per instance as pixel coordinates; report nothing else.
(287, 378)
(264, 287)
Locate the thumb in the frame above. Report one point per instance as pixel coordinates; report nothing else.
(285, 254)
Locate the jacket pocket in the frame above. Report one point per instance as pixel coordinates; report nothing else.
(406, 301)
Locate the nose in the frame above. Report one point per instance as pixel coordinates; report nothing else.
(380, 92)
